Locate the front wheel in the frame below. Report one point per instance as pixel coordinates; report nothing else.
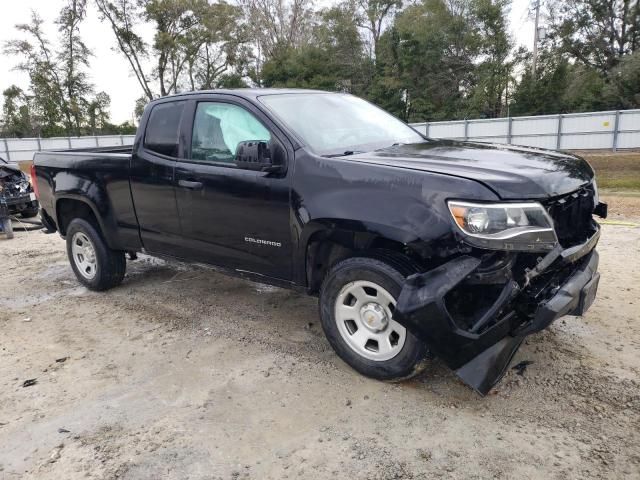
(29, 212)
(357, 301)
(96, 266)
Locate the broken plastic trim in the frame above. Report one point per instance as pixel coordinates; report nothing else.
(480, 359)
(421, 309)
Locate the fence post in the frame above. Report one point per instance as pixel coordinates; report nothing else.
(121, 140)
(426, 129)
(69, 142)
(97, 142)
(6, 148)
(509, 127)
(559, 133)
(466, 129)
(616, 127)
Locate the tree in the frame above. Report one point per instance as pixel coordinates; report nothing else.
(494, 69)
(372, 15)
(173, 21)
(543, 94)
(623, 89)
(426, 61)
(74, 56)
(60, 99)
(276, 26)
(16, 113)
(98, 113)
(217, 48)
(596, 33)
(124, 16)
(333, 60)
(46, 79)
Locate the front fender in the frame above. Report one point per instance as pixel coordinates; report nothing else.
(399, 204)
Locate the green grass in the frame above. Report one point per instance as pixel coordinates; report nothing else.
(616, 171)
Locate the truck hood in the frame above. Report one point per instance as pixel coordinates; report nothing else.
(511, 172)
(10, 170)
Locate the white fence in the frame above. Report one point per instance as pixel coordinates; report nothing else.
(21, 149)
(573, 131)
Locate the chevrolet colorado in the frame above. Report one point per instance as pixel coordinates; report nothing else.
(416, 247)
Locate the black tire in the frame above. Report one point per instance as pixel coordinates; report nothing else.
(29, 212)
(411, 358)
(110, 264)
(7, 228)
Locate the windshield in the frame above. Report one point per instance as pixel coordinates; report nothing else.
(339, 124)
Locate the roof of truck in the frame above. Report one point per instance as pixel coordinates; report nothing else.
(251, 93)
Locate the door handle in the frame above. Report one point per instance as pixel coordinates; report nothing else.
(190, 184)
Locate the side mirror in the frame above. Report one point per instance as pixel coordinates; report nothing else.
(255, 155)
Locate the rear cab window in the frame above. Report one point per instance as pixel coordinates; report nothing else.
(163, 128)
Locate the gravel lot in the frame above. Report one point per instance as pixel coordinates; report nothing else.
(184, 373)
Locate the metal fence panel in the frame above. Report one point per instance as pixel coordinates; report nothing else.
(110, 141)
(447, 129)
(592, 123)
(15, 144)
(538, 141)
(629, 120)
(576, 131)
(535, 125)
(491, 139)
(627, 140)
(498, 128)
(23, 149)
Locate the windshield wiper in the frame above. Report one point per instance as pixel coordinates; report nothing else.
(344, 154)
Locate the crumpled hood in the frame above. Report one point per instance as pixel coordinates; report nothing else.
(10, 170)
(511, 172)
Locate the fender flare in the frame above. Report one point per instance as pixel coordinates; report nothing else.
(106, 230)
(327, 227)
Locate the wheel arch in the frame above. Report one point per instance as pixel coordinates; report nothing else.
(69, 207)
(325, 243)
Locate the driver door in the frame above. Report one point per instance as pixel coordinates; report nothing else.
(231, 217)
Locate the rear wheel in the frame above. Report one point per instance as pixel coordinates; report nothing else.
(357, 301)
(96, 266)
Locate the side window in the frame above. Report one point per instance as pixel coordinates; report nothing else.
(219, 127)
(163, 128)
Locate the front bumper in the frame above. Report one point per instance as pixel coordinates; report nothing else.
(480, 352)
(17, 203)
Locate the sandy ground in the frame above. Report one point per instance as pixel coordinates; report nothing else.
(184, 373)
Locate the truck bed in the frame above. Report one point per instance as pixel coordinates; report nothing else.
(99, 176)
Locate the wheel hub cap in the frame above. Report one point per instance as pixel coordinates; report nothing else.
(364, 316)
(374, 317)
(84, 255)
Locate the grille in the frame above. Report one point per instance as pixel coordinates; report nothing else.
(572, 215)
(10, 190)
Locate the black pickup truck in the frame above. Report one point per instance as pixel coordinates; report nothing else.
(416, 247)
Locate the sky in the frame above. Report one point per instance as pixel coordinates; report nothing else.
(109, 69)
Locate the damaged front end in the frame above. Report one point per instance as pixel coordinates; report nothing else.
(15, 190)
(475, 310)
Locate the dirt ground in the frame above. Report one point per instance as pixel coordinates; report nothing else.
(184, 373)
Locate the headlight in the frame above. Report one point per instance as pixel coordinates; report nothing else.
(505, 226)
